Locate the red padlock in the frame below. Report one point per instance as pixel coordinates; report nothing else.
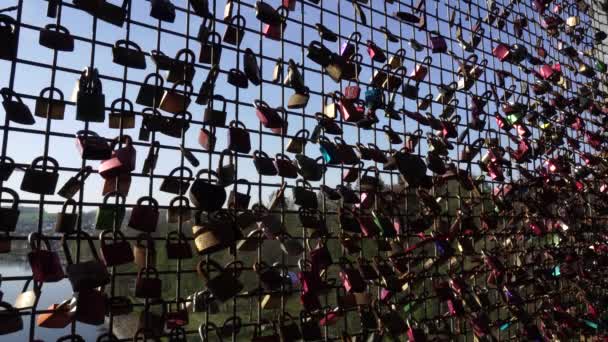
(502, 52)
(118, 252)
(289, 4)
(122, 161)
(145, 217)
(275, 31)
(350, 277)
(351, 110)
(375, 52)
(421, 70)
(45, 264)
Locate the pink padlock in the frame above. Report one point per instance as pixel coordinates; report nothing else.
(546, 71)
(351, 110)
(502, 52)
(421, 70)
(275, 31)
(375, 52)
(289, 4)
(122, 161)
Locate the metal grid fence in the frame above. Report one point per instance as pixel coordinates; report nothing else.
(428, 268)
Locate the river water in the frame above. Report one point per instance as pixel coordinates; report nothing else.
(52, 293)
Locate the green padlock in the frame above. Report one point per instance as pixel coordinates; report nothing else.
(111, 214)
(514, 118)
(600, 66)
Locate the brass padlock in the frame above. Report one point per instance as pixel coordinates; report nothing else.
(122, 117)
(51, 107)
(144, 251)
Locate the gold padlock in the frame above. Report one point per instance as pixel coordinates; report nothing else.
(396, 60)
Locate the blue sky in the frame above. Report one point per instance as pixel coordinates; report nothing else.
(31, 79)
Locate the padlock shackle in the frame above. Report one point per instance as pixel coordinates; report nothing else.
(80, 236)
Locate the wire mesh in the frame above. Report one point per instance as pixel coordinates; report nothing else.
(37, 67)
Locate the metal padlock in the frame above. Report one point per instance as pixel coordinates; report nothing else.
(150, 93)
(8, 26)
(181, 211)
(9, 216)
(235, 30)
(225, 284)
(51, 107)
(16, 110)
(238, 200)
(275, 31)
(122, 160)
(175, 101)
(211, 49)
(127, 53)
(206, 195)
(111, 215)
(41, 181)
(123, 117)
(73, 185)
(178, 181)
(89, 97)
(177, 246)
(66, 222)
(238, 137)
(144, 251)
(144, 218)
(118, 252)
(162, 10)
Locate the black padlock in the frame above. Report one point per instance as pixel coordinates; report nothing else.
(129, 54)
(121, 114)
(264, 164)
(8, 36)
(150, 93)
(9, 215)
(73, 185)
(238, 78)
(178, 181)
(7, 166)
(15, 109)
(162, 10)
(206, 195)
(304, 195)
(56, 37)
(90, 100)
(225, 284)
(213, 116)
(41, 181)
(238, 137)
(182, 67)
(239, 200)
(235, 30)
(66, 222)
(211, 49)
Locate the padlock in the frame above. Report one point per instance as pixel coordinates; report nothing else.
(144, 218)
(73, 185)
(328, 150)
(66, 222)
(16, 111)
(237, 78)
(264, 164)
(215, 117)
(207, 138)
(502, 52)
(45, 264)
(177, 125)
(150, 93)
(238, 137)
(226, 171)
(85, 275)
(120, 184)
(285, 167)
(178, 181)
(177, 246)
(10, 318)
(162, 61)
(211, 49)
(89, 97)
(375, 52)
(127, 53)
(176, 101)
(350, 111)
(206, 195)
(421, 70)
(299, 100)
(162, 10)
(9, 216)
(7, 166)
(58, 318)
(304, 195)
(122, 160)
(148, 284)
(350, 277)
(319, 53)
(8, 26)
(41, 181)
(220, 232)
(346, 153)
(225, 284)
(51, 107)
(123, 117)
(106, 11)
(446, 92)
(269, 117)
(92, 147)
(182, 68)
(235, 30)
(275, 30)
(116, 253)
(119, 305)
(181, 211)
(350, 46)
(144, 251)
(573, 20)
(177, 318)
(330, 109)
(289, 4)
(298, 141)
(238, 200)
(310, 169)
(111, 215)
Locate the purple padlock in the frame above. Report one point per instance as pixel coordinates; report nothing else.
(438, 44)
(349, 47)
